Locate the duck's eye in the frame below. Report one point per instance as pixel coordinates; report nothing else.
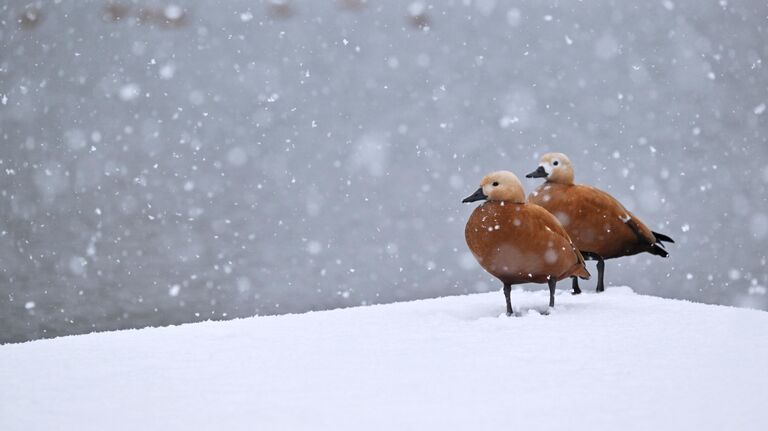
(555, 163)
(495, 183)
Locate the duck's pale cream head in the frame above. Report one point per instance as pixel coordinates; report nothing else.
(555, 167)
(499, 186)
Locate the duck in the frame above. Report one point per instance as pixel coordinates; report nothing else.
(518, 242)
(600, 226)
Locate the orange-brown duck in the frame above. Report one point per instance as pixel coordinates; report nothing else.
(517, 242)
(597, 223)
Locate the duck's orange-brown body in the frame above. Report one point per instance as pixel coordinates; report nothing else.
(595, 221)
(521, 243)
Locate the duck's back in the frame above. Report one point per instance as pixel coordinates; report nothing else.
(595, 221)
(521, 243)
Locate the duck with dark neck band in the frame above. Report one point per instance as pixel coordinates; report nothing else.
(599, 224)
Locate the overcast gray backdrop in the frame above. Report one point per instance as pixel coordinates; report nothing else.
(168, 162)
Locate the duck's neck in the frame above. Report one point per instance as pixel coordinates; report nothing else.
(506, 202)
(558, 182)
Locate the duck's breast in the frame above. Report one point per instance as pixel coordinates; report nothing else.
(514, 244)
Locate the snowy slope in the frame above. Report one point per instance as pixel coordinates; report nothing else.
(611, 361)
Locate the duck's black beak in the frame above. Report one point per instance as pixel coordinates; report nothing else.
(538, 173)
(476, 196)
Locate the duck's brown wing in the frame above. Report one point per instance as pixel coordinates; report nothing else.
(551, 222)
(610, 207)
(640, 229)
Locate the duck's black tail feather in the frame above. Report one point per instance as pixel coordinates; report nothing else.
(658, 251)
(662, 237)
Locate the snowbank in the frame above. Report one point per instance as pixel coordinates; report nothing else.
(610, 361)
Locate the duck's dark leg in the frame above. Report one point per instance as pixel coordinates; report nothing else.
(588, 255)
(576, 289)
(552, 283)
(600, 272)
(507, 290)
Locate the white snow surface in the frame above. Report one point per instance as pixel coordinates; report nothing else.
(598, 361)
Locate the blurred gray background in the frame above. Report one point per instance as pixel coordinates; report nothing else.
(168, 162)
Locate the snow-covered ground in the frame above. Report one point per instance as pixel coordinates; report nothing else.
(612, 361)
